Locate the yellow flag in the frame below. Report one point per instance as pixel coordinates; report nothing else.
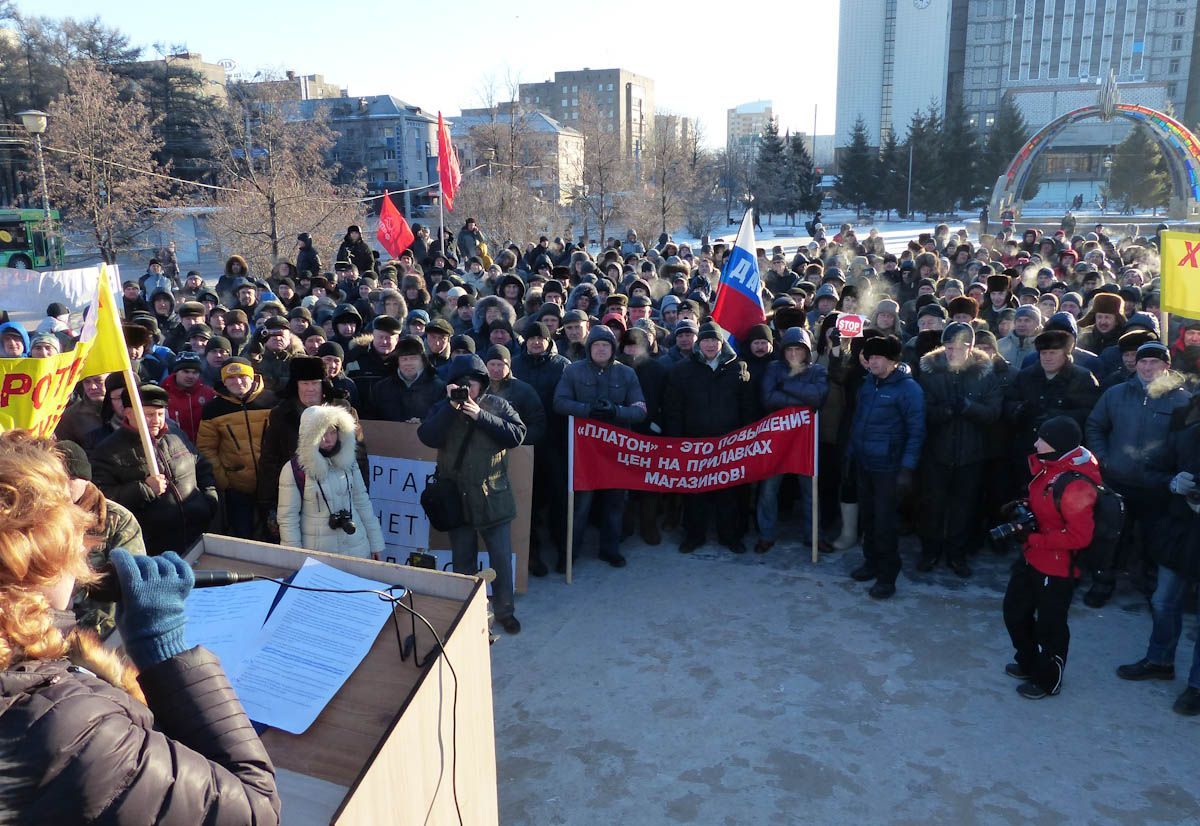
(35, 392)
(1180, 267)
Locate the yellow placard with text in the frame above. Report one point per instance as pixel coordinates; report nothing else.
(35, 392)
(1180, 268)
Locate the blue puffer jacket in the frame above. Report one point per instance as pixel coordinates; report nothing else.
(1128, 431)
(781, 389)
(889, 422)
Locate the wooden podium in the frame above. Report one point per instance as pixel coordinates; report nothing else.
(395, 743)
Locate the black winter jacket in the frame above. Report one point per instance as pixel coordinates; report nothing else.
(394, 401)
(87, 752)
(700, 401)
(1031, 399)
(170, 522)
(959, 436)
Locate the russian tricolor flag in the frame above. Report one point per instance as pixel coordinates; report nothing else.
(739, 298)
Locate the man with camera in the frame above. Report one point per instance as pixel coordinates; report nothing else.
(600, 387)
(472, 431)
(1056, 524)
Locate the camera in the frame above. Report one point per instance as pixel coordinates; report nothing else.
(460, 393)
(342, 521)
(1023, 521)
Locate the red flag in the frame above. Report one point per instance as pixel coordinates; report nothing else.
(393, 233)
(448, 171)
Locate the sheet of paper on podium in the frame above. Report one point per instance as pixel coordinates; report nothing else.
(309, 646)
(226, 620)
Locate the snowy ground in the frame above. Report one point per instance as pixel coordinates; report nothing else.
(713, 689)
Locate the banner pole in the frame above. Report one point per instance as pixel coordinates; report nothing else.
(133, 397)
(570, 496)
(1164, 323)
(442, 222)
(816, 508)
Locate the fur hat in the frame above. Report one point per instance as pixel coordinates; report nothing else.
(314, 421)
(305, 368)
(887, 346)
(1054, 340)
(963, 305)
(408, 346)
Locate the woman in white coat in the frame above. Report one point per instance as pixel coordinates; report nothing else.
(323, 503)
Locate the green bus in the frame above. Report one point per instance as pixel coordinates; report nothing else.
(24, 244)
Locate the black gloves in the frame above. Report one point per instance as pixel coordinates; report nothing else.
(603, 409)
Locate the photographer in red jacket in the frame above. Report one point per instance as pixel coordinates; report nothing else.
(1043, 582)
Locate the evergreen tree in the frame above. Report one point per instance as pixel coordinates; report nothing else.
(770, 172)
(1139, 174)
(856, 183)
(1009, 133)
(958, 144)
(922, 142)
(800, 193)
(892, 183)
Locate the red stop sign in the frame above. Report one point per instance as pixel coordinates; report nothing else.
(851, 326)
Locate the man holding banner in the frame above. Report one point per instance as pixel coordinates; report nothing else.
(710, 394)
(601, 388)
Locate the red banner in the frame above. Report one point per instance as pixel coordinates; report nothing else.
(394, 233)
(608, 457)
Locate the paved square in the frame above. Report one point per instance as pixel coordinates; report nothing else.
(713, 689)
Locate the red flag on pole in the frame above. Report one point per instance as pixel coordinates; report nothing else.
(448, 171)
(394, 233)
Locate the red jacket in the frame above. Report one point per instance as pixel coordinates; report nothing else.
(1061, 535)
(185, 405)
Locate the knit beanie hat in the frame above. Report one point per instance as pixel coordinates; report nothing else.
(1062, 433)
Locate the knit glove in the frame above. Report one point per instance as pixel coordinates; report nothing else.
(150, 614)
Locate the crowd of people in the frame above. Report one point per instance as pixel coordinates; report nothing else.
(1011, 366)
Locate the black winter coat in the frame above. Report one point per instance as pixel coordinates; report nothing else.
(542, 374)
(953, 436)
(170, 522)
(357, 253)
(525, 400)
(652, 376)
(1179, 549)
(394, 401)
(701, 401)
(90, 753)
(1031, 399)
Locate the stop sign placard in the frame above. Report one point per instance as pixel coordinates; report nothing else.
(851, 326)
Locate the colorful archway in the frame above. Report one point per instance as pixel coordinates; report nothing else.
(1179, 145)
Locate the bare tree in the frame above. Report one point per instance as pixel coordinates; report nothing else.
(605, 170)
(100, 167)
(671, 172)
(278, 181)
(703, 208)
(514, 193)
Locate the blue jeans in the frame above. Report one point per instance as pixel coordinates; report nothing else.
(612, 510)
(767, 511)
(498, 541)
(1167, 607)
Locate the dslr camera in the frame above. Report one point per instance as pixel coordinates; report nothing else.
(1022, 520)
(342, 521)
(460, 393)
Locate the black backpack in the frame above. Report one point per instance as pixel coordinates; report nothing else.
(1108, 516)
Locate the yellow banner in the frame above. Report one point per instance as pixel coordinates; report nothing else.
(1180, 263)
(35, 392)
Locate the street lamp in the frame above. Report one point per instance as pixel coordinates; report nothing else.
(1108, 165)
(34, 121)
(1068, 198)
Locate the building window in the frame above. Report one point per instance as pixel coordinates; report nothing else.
(574, 88)
(599, 87)
(1171, 90)
(1180, 18)
(564, 103)
(574, 101)
(1173, 67)
(565, 89)
(989, 120)
(610, 87)
(1176, 43)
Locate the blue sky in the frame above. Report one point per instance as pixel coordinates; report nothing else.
(702, 57)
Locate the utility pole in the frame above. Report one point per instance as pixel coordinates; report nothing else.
(908, 207)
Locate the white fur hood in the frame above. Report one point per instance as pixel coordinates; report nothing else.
(313, 424)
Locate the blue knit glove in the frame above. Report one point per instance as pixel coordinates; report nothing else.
(150, 614)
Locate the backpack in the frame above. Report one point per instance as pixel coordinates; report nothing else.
(1108, 516)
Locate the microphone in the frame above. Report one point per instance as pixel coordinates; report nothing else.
(108, 587)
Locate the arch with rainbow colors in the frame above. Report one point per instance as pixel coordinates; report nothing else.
(1180, 147)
